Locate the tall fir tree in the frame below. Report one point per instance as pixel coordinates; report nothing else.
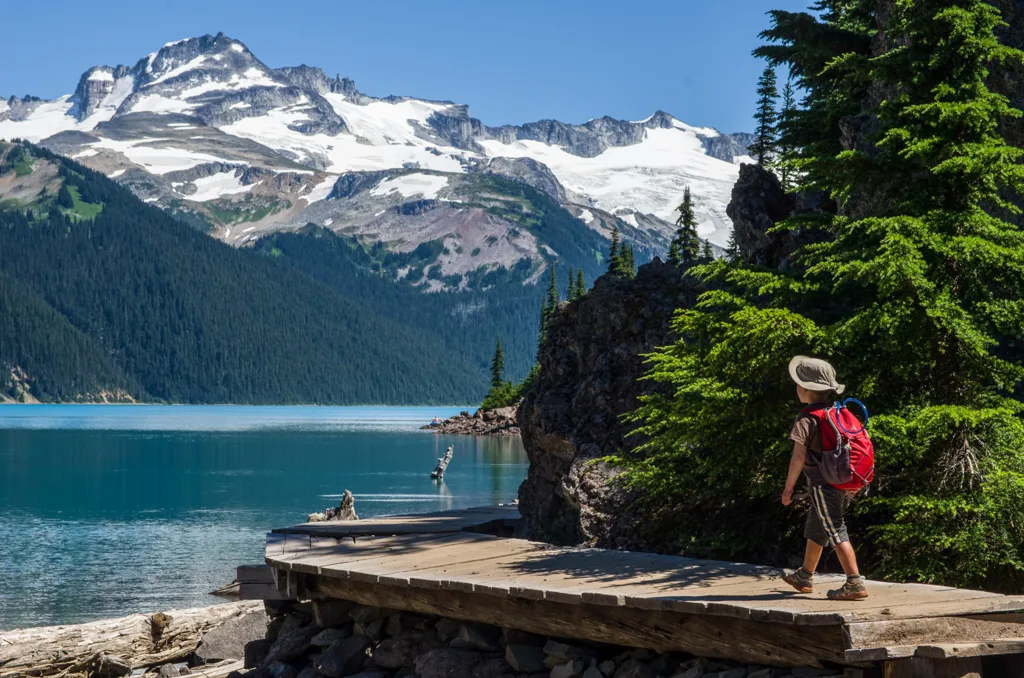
(913, 290)
(613, 251)
(685, 245)
(627, 262)
(570, 290)
(786, 162)
(706, 253)
(498, 367)
(581, 284)
(764, 147)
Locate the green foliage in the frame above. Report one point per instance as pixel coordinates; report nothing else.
(685, 245)
(78, 208)
(786, 161)
(498, 366)
(613, 252)
(915, 295)
(766, 131)
(626, 262)
(706, 253)
(508, 393)
(581, 284)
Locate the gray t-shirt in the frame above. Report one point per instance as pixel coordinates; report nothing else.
(805, 432)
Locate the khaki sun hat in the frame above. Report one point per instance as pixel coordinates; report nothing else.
(814, 374)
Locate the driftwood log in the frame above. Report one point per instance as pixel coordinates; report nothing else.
(442, 463)
(112, 647)
(346, 511)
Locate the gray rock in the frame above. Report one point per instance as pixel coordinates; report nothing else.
(292, 622)
(281, 670)
(593, 672)
(494, 667)
(739, 672)
(631, 668)
(364, 614)
(607, 668)
(394, 653)
(172, 671)
(112, 666)
(291, 645)
(329, 637)
(477, 637)
(570, 669)
(370, 673)
(760, 673)
(691, 672)
(374, 630)
(813, 672)
(255, 652)
(525, 658)
(447, 628)
(228, 640)
(447, 663)
(402, 623)
(308, 672)
(517, 637)
(343, 658)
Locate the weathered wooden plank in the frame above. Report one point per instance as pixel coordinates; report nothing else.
(930, 631)
(921, 667)
(707, 636)
(350, 550)
(993, 647)
(254, 574)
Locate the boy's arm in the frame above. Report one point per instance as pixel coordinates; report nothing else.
(796, 467)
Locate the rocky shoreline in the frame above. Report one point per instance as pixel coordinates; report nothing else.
(337, 639)
(499, 422)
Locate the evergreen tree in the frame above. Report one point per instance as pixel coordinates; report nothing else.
(498, 367)
(763, 148)
(613, 252)
(551, 301)
(706, 253)
(64, 198)
(732, 250)
(627, 262)
(786, 162)
(913, 292)
(686, 245)
(581, 284)
(570, 292)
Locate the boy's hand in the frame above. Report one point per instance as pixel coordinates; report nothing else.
(787, 497)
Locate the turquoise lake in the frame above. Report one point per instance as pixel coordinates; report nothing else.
(109, 510)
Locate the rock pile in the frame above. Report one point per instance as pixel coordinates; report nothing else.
(499, 422)
(346, 510)
(338, 639)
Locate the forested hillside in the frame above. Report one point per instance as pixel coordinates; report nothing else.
(107, 293)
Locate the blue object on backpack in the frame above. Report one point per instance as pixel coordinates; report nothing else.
(839, 420)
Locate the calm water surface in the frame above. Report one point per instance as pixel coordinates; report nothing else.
(108, 510)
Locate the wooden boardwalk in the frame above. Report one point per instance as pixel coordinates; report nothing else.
(443, 564)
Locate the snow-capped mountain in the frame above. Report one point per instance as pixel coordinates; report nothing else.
(204, 128)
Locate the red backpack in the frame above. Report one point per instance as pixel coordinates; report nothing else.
(847, 458)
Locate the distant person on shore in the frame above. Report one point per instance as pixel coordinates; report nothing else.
(823, 453)
(436, 421)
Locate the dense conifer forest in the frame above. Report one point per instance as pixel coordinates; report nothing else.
(100, 292)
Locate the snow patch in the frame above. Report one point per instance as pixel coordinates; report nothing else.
(586, 216)
(190, 65)
(240, 104)
(237, 48)
(320, 191)
(217, 186)
(88, 153)
(101, 76)
(49, 118)
(156, 160)
(649, 177)
(154, 103)
(116, 173)
(411, 185)
(328, 222)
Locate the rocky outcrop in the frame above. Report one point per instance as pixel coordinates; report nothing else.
(499, 422)
(371, 642)
(590, 366)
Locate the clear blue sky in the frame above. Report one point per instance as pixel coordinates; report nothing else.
(512, 62)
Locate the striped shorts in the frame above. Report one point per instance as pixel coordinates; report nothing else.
(826, 523)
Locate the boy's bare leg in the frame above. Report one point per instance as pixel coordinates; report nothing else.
(847, 558)
(812, 554)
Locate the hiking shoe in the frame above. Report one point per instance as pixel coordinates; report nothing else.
(849, 591)
(800, 583)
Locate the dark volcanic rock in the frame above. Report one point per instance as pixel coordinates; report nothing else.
(758, 203)
(589, 369)
(447, 663)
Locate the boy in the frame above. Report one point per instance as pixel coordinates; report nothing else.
(816, 387)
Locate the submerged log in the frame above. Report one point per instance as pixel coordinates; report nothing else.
(112, 647)
(442, 463)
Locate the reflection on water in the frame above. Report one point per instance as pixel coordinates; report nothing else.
(104, 512)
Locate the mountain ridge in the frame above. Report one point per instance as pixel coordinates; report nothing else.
(204, 128)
